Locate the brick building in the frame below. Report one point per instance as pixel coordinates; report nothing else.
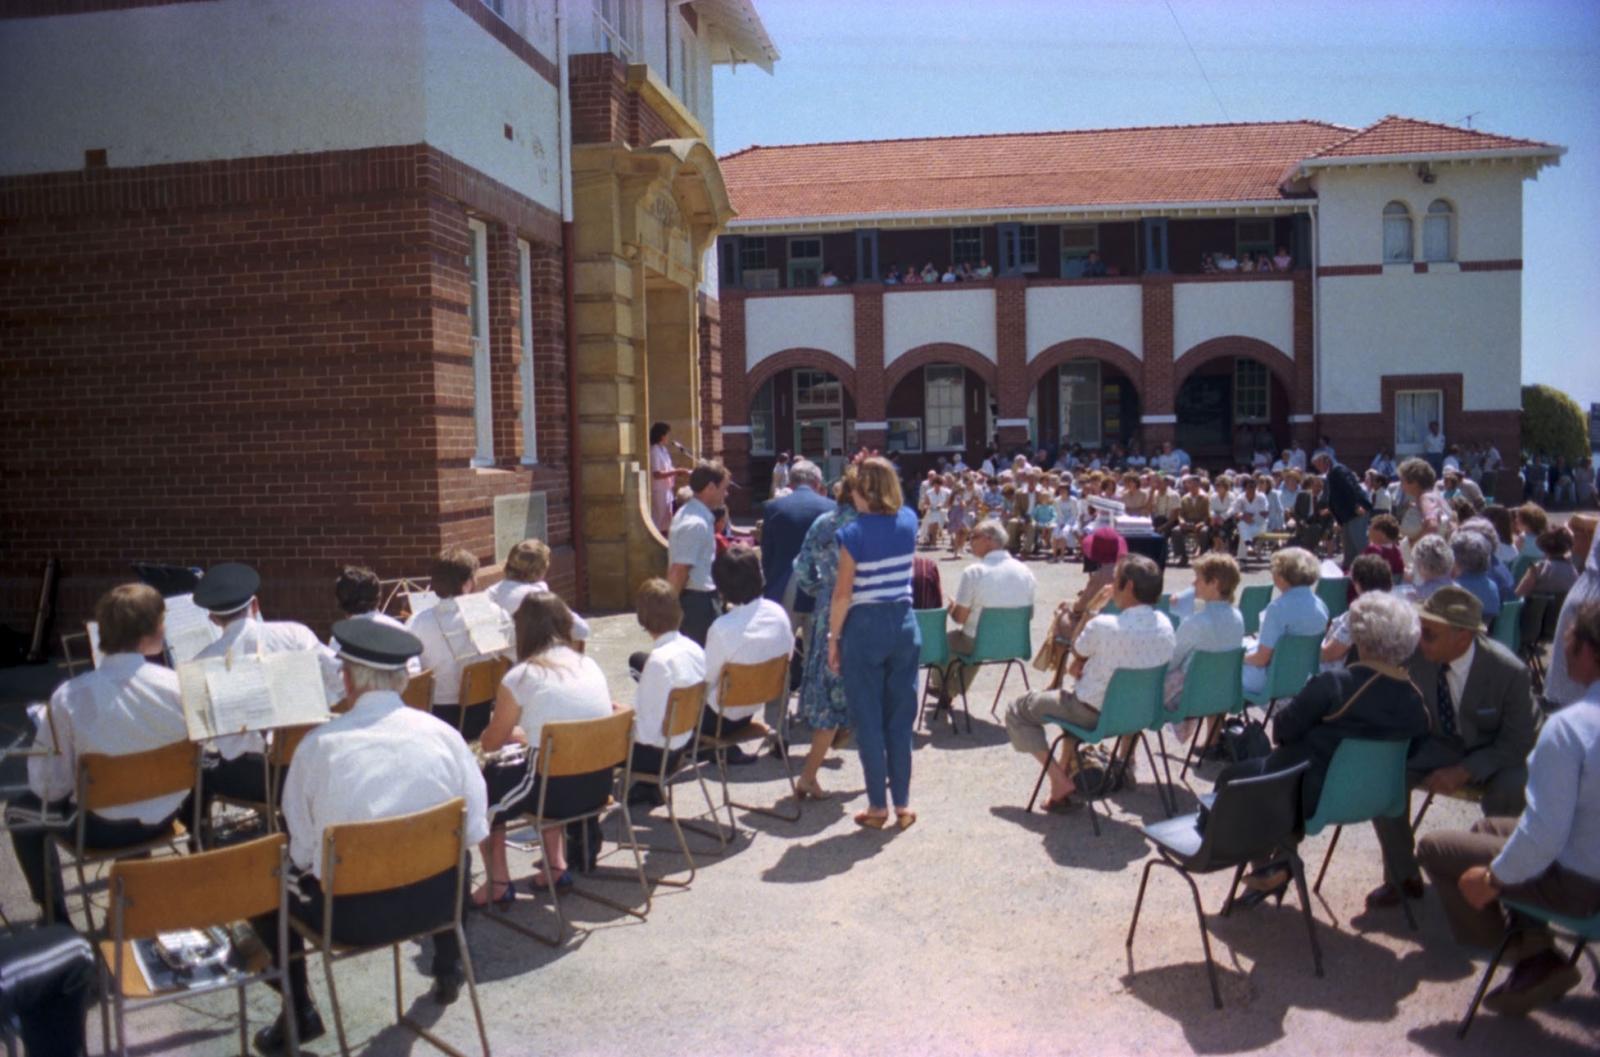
(1401, 301)
(305, 284)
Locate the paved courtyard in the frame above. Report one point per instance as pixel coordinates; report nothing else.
(982, 930)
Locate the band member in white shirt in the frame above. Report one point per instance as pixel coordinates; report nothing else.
(527, 565)
(379, 760)
(754, 629)
(125, 705)
(358, 592)
(446, 644)
(673, 663)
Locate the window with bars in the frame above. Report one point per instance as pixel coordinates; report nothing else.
(944, 407)
(1252, 392)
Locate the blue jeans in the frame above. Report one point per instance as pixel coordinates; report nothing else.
(878, 654)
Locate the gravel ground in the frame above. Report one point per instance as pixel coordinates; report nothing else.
(982, 930)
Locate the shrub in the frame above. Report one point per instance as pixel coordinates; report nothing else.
(1553, 424)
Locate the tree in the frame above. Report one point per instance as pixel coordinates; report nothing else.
(1553, 424)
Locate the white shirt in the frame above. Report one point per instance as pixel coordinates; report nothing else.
(446, 648)
(674, 663)
(748, 634)
(126, 705)
(508, 595)
(1297, 457)
(1455, 674)
(661, 462)
(413, 666)
(1259, 507)
(999, 581)
(568, 686)
(248, 635)
(1433, 443)
(378, 760)
(1221, 505)
(1135, 638)
(692, 541)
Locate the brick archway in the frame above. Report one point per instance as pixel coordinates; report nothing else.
(1086, 349)
(939, 352)
(1273, 358)
(814, 359)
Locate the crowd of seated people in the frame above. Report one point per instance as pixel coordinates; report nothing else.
(1221, 262)
(930, 273)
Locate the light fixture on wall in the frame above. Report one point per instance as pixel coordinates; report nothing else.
(1426, 174)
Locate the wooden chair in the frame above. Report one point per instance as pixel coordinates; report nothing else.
(196, 892)
(359, 858)
(418, 693)
(480, 681)
(742, 685)
(567, 750)
(684, 706)
(114, 781)
(275, 764)
(76, 655)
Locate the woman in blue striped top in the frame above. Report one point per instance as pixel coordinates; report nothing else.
(873, 641)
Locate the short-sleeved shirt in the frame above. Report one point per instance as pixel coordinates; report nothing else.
(1134, 638)
(749, 634)
(567, 686)
(999, 581)
(675, 662)
(882, 546)
(1214, 628)
(1298, 611)
(692, 541)
(447, 648)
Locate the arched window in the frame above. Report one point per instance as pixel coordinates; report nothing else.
(1439, 232)
(1396, 233)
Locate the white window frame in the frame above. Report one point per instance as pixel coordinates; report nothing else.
(1430, 223)
(763, 416)
(1265, 388)
(530, 412)
(1028, 259)
(478, 329)
(1401, 449)
(930, 417)
(1073, 249)
(616, 27)
(791, 260)
(749, 261)
(1064, 405)
(971, 239)
(901, 425)
(1411, 235)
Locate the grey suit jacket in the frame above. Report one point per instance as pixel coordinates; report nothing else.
(1495, 718)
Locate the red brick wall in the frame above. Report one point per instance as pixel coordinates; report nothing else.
(604, 110)
(264, 360)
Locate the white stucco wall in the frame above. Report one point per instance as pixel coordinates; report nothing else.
(961, 317)
(1109, 313)
(1439, 323)
(1251, 309)
(1487, 201)
(816, 321)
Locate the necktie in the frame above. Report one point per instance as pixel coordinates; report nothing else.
(1447, 704)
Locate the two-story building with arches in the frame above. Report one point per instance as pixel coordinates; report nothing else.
(1394, 295)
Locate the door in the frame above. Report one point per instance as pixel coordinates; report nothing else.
(1010, 248)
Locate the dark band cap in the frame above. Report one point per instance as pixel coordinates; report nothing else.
(227, 588)
(375, 645)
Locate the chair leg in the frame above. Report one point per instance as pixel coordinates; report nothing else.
(1483, 984)
(1298, 868)
(1094, 813)
(1044, 771)
(683, 843)
(794, 794)
(1155, 775)
(244, 1023)
(472, 987)
(1233, 890)
(1427, 802)
(1327, 857)
(1205, 936)
(994, 709)
(333, 997)
(638, 860)
(1138, 904)
(1166, 765)
(723, 839)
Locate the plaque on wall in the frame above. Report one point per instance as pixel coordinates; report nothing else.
(516, 518)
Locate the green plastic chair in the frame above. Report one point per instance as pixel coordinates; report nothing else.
(1005, 636)
(1213, 685)
(1366, 780)
(1132, 705)
(1164, 607)
(935, 655)
(1335, 594)
(1584, 930)
(1252, 601)
(1295, 659)
(1507, 628)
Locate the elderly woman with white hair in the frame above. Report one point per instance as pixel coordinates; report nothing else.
(1296, 611)
(1433, 565)
(1373, 698)
(1474, 569)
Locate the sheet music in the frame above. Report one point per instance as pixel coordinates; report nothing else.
(189, 629)
(241, 700)
(95, 654)
(485, 623)
(298, 692)
(421, 601)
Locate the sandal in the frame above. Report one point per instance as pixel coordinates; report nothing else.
(804, 790)
(541, 880)
(507, 893)
(868, 820)
(904, 820)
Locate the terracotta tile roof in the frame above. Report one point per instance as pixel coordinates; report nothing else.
(1173, 164)
(1404, 135)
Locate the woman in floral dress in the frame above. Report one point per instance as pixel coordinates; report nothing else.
(822, 703)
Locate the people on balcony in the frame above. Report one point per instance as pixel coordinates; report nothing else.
(1283, 261)
(828, 278)
(983, 270)
(930, 274)
(893, 276)
(1094, 267)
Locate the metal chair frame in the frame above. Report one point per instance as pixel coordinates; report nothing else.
(935, 660)
(683, 715)
(765, 674)
(1020, 661)
(1583, 930)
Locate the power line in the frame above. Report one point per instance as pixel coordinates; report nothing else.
(1198, 64)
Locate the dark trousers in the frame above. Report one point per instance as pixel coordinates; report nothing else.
(699, 611)
(473, 724)
(367, 920)
(47, 976)
(708, 723)
(36, 853)
(646, 759)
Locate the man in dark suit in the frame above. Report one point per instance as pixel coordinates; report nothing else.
(1480, 701)
(1347, 501)
(784, 525)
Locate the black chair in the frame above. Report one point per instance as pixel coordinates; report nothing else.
(1249, 819)
(1540, 614)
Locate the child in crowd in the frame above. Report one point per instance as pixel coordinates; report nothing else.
(1383, 540)
(1531, 521)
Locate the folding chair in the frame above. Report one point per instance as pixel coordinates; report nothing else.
(935, 657)
(1295, 659)
(360, 858)
(684, 706)
(741, 685)
(1005, 636)
(1507, 627)
(480, 681)
(1252, 601)
(1133, 700)
(418, 693)
(1366, 780)
(1583, 930)
(1335, 594)
(1213, 687)
(572, 749)
(196, 892)
(1249, 819)
(113, 781)
(76, 654)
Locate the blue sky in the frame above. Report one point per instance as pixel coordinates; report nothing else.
(870, 69)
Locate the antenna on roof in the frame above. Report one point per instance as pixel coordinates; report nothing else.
(1198, 64)
(1467, 120)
